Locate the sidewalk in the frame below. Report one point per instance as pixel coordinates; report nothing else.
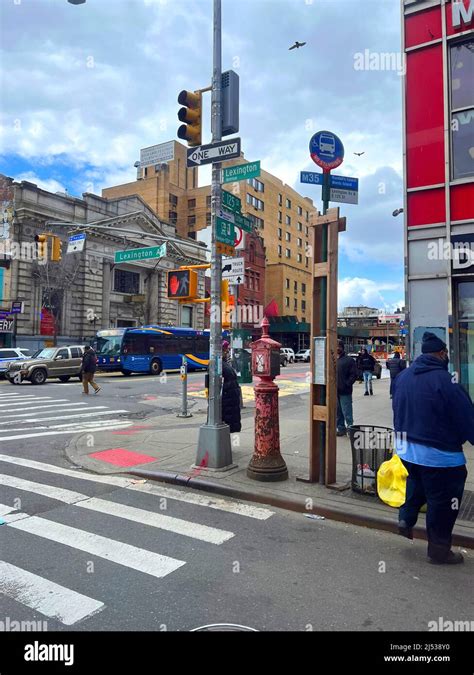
(165, 444)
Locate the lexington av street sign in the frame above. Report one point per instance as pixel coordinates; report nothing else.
(241, 172)
(215, 152)
(134, 254)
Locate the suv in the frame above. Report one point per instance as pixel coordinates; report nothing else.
(60, 362)
(290, 354)
(283, 358)
(11, 354)
(303, 355)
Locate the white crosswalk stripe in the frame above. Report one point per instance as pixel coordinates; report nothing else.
(66, 604)
(25, 416)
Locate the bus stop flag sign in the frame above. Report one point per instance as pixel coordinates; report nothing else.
(327, 150)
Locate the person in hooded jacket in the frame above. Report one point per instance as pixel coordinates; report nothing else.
(433, 417)
(366, 365)
(231, 396)
(395, 365)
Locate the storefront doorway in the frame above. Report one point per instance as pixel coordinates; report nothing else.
(465, 310)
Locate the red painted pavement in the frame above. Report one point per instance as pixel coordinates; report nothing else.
(122, 457)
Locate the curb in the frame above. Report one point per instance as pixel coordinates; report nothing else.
(291, 504)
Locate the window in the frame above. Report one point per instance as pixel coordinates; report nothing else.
(191, 203)
(303, 306)
(295, 286)
(306, 262)
(307, 216)
(299, 242)
(172, 217)
(288, 220)
(279, 251)
(300, 211)
(280, 217)
(288, 236)
(187, 316)
(287, 253)
(288, 204)
(208, 219)
(252, 253)
(260, 205)
(126, 282)
(462, 109)
(299, 257)
(295, 304)
(63, 353)
(76, 353)
(287, 284)
(8, 354)
(208, 201)
(300, 227)
(306, 230)
(257, 281)
(303, 288)
(257, 185)
(280, 233)
(280, 200)
(258, 222)
(249, 198)
(173, 200)
(191, 220)
(287, 302)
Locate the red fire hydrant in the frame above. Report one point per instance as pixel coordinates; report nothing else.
(267, 464)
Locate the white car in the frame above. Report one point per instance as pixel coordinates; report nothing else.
(290, 354)
(8, 354)
(303, 355)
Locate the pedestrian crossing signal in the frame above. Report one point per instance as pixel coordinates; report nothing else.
(182, 284)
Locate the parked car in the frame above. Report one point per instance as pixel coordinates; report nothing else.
(60, 362)
(290, 354)
(303, 355)
(283, 358)
(8, 354)
(377, 368)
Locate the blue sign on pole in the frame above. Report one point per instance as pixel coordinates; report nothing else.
(311, 177)
(339, 182)
(326, 149)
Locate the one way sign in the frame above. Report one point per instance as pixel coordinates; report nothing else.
(215, 152)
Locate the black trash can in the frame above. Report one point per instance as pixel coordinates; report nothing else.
(371, 446)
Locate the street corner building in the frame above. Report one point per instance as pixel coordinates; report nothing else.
(438, 99)
(87, 290)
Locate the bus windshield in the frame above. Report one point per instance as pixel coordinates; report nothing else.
(109, 345)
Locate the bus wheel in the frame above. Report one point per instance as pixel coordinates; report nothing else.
(127, 373)
(155, 367)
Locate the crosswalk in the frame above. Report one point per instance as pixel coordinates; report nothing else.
(29, 416)
(67, 522)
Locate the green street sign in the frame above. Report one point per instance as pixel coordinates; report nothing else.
(241, 172)
(231, 202)
(225, 231)
(136, 254)
(243, 222)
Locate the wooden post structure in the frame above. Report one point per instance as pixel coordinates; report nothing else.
(323, 397)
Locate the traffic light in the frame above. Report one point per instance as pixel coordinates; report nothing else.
(182, 284)
(56, 249)
(42, 246)
(191, 114)
(225, 291)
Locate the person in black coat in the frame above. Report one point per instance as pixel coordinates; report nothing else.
(89, 366)
(346, 376)
(230, 393)
(366, 364)
(395, 366)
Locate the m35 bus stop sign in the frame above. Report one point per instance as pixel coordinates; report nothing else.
(327, 150)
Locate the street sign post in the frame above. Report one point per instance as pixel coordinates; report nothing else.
(233, 267)
(134, 254)
(231, 202)
(225, 231)
(311, 177)
(156, 154)
(76, 243)
(243, 222)
(345, 196)
(327, 150)
(241, 172)
(214, 152)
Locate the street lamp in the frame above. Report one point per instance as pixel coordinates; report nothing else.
(76, 2)
(397, 212)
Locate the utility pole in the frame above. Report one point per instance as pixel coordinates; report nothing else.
(214, 448)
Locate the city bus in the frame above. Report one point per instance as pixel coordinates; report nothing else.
(151, 349)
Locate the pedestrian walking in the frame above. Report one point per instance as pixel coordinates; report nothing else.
(366, 364)
(433, 417)
(89, 366)
(395, 366)
(231, 393)
(346, 376)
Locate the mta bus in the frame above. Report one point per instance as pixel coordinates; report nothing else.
(151, 349)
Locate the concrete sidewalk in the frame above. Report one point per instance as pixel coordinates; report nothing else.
(168, 444)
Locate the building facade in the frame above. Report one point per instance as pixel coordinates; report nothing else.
(438, 42)
(68, 301)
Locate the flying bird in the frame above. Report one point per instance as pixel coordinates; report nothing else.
(359, 153)
(297, 45)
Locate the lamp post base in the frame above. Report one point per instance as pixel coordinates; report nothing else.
(270, 469)
(214, 447)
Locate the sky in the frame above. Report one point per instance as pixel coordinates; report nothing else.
(85, 87)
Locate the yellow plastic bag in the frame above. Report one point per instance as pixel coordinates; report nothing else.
(391, 482)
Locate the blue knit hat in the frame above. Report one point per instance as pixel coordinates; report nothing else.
(431, 343)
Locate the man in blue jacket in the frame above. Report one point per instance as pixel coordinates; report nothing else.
(433, 417)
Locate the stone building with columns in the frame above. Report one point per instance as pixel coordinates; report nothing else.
(68, 301)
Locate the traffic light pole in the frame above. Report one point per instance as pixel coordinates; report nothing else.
(214, 448)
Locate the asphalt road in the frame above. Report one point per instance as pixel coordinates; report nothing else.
(84, 554)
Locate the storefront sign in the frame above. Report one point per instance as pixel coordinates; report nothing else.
(6, 325)
(461, 12)
(462, 253)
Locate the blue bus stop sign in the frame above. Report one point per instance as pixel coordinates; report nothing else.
(326, 150)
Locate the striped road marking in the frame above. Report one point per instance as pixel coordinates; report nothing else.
(47, 597)
(62, 495)
(23, 402)
(44, 407)
(4, 509)
(139, 559)
(113, 425)
(67, 417)
(211, 535)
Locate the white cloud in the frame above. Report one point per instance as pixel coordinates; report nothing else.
(50, 184)
(362, 291)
